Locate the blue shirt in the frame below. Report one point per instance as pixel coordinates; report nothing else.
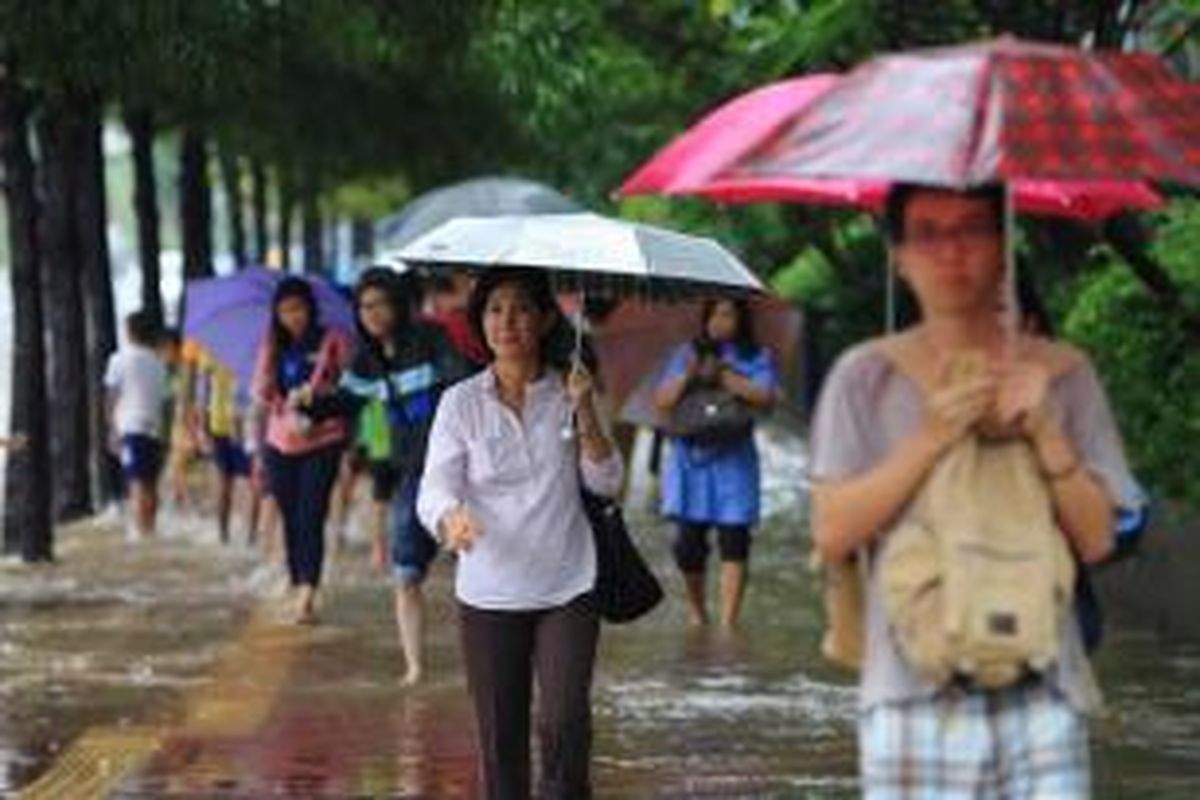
(716, 485)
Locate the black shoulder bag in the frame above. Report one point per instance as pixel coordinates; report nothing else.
(711, 416)
(626, 588)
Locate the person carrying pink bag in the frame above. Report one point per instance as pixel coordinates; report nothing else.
(299, 357)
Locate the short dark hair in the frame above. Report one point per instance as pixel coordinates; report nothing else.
(901, 194)
(142, 328)
(558, 344)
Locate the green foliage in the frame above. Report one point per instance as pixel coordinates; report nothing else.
(808, 280)
(339, 91)
(841, 283)
(585, 101)
(1149, 364)
(1176, 245)
(370, 198)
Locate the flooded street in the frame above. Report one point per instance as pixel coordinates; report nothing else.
(166, 671)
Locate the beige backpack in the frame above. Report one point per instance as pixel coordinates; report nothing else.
(976, 576)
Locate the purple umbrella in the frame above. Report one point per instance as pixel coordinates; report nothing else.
(228, 316)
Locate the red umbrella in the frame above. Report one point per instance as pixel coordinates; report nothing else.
(1084, 200)
(698, 162)
(723, 136)
(1003, 110)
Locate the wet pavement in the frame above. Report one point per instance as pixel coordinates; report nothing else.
(167, 670)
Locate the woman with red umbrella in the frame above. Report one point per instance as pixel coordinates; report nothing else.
(888, 417)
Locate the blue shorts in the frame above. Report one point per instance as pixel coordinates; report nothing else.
(230, 457)
(141, 457)
(413, 549)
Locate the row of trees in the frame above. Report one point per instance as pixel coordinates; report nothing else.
(305, 105)
(306, 96)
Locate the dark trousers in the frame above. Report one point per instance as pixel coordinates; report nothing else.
(504, 651)
(301, 485)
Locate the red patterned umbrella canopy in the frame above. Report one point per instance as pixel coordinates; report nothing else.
(997, 111)
(697, 162)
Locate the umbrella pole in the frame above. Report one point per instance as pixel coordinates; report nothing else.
(889, 321)
(1011, 320)
(577, 355)
(568, 428)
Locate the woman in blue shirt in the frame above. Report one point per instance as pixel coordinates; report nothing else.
(710, 484)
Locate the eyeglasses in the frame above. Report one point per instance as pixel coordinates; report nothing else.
(969, 234)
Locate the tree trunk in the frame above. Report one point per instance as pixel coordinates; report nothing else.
(195, 206)
(286, 204)
(362, 239)
(262, 239)
(98, 302)
(310, 224)
(231, 184)
(59, 138)
(332, 244)
(28, 524)
(140, 125)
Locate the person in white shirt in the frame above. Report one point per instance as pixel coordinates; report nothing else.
(136, 380)
(501, 487)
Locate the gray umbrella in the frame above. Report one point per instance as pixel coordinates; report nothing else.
(602, 256)
(478, 197)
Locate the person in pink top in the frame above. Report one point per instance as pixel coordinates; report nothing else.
(300, 357)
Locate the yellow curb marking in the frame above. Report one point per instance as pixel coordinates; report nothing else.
(244, 685)
(95, 764)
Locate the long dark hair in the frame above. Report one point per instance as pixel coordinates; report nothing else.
(558, 343)
(288, 288)
(744, 339)
(402, 295)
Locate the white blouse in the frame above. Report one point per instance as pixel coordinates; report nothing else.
(518, 477)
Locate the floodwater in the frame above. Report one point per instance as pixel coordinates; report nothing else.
(165, 670)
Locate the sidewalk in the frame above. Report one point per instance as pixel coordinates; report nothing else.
(168, 669)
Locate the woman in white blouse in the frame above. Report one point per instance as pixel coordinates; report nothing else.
(501, 487)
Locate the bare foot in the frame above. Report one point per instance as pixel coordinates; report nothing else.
(305, 615)
(306, 606)
(411, 678)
